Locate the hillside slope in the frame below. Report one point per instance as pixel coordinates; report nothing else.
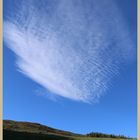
(14, 130)
(34, 128)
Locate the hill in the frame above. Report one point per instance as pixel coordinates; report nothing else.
(14, 130)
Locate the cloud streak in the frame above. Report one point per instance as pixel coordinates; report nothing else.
(72, 48)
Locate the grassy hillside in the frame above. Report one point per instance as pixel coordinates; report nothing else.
(33, 131)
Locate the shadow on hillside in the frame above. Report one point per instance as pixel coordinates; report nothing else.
(12, 135)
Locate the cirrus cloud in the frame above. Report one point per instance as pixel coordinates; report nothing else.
(72, 48)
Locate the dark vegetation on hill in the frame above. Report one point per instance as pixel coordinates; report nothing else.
(102, 135)
(14, 130)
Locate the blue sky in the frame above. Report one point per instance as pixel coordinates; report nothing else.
(72, 65)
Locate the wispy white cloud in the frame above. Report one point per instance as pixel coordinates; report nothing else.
(72, 48)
